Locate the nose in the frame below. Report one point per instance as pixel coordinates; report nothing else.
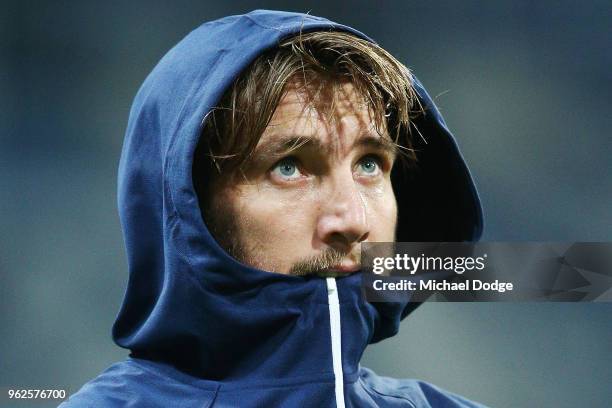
(343, 220)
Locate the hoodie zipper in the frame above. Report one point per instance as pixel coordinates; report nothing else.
(336, 339)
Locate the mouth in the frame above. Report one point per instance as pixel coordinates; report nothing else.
(341, 269)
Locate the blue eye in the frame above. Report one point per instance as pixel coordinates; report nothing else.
(287, 168)
(369, 166)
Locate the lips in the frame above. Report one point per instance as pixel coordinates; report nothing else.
(345, 267)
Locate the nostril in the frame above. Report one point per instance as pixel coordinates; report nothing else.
(339, 241)
(344, 240)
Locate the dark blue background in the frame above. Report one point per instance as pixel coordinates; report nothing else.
(526, 88)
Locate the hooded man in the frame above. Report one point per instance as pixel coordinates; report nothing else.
(260, 153)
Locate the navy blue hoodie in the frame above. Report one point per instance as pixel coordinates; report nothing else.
(205, 330)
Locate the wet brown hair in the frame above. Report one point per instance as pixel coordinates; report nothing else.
(316, 61)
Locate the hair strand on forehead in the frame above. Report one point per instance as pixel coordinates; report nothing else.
(318, 63)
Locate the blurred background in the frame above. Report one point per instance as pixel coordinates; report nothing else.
(526, 87)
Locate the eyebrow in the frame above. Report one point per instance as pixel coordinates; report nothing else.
(377, 142)
(284, 145)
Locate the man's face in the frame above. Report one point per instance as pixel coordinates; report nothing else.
(317, 186)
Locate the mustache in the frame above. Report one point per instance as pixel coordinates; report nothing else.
(325, 260)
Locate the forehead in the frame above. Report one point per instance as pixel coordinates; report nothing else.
(327, 114)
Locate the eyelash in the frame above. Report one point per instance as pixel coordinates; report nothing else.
(293, 160)
(381, 166)
(380, 162)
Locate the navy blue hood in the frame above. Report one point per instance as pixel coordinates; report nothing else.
(188, 303)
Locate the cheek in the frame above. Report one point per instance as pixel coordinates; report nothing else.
(382, 213)
(270, 210)
(277, 226)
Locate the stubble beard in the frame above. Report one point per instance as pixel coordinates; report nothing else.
(225, 228)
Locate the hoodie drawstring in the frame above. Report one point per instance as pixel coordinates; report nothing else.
(336, 339)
